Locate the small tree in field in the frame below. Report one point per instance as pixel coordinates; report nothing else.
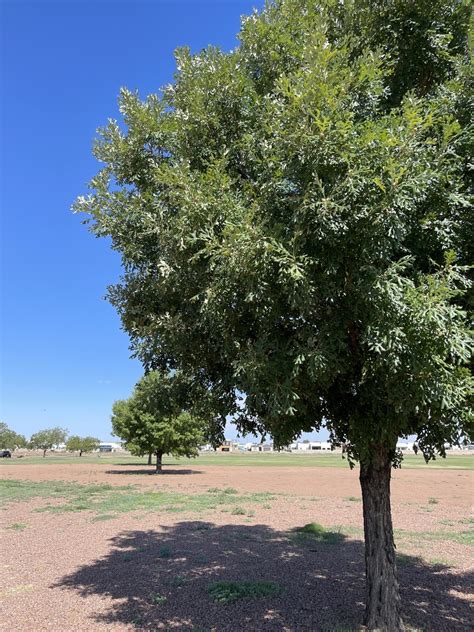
(295, 222)
(153, 422)
(82, 444)
(9, 439)
(46, 439)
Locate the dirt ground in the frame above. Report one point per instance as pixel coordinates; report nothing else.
(152, 571)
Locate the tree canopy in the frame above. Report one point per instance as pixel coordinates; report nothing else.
(82, 444)
(9, 439)
(153, 421)
(47, 438)
(295, 224)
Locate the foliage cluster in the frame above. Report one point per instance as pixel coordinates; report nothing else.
(9, 439)
(294, 222)
(82, 444)
(156, 418)
(46, 439)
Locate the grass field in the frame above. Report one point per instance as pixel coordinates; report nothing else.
(251, 459)
(274, 542)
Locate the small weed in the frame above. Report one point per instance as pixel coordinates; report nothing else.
(266, 506)
(353, 499)
(238, 511)
(159, 599)
(227, 490)
(313, 532)
(251, 513)
(17, 526)
(229, 591)
(433, 501)
(177, 581)
(164, 552)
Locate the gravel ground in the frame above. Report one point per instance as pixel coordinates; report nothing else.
(152, 572)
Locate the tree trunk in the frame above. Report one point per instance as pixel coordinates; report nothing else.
(159, 468)
(149, 458)
(44, 453)
(382, 610)
(80, 452)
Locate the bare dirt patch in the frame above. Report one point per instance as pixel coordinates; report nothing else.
(153, 570)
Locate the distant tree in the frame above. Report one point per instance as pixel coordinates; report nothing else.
(82, 444)
(295, 222)
(153, 421)
(46, 439)
(9, 439)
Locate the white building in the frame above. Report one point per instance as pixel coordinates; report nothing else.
(405, 446)
(111, 446)
(310, 446)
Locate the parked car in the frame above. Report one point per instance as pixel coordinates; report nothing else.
(5, 454)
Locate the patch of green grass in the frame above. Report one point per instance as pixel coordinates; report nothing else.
(110, 500)
(315, 533)
(433, 501)
(227, 490)
(353, 499)
(164, 552)
(439, 561)
(461, 537)
(17, 490)
(229, 591)
(238, 511)
(17, 526)
(177, 581)
(459, 461)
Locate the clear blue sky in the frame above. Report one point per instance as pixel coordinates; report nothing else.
(64, 359)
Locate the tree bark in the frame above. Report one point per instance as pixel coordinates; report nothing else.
(149, 458)
(80, 452)
(382, 610)
(44, 453)
(159, 457)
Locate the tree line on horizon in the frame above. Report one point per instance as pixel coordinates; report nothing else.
(45, 440)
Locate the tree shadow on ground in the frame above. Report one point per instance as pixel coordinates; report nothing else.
(151, 470)
(160, 581)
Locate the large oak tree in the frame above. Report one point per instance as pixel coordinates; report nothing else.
(295, 225)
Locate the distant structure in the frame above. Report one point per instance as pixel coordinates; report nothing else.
(311, 446)
(228, 446)
(261, 447)
(111, 446)
(405, 446)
